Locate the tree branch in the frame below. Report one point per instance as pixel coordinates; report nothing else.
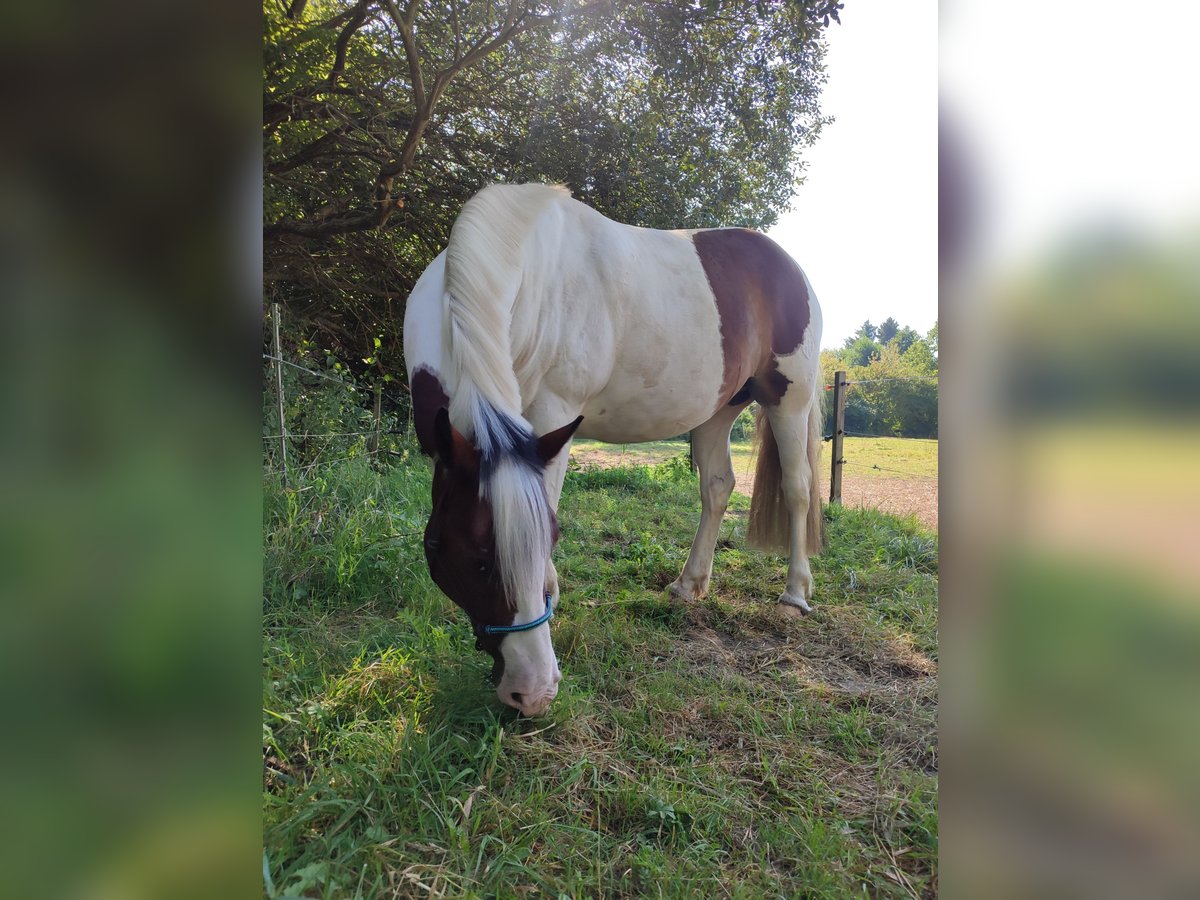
(343, 41)
(339, 220)
(457, 29)
(404, 24)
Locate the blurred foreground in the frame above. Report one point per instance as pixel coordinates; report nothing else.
(1071, 504)
(130, 480)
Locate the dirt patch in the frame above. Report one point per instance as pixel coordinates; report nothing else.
(827, 653)
(902, 706)
(617, 456)
(899, 495)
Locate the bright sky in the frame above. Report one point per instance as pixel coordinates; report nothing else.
(1074, 112)
(864, 224)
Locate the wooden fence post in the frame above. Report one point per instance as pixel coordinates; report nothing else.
(279, 388)
(839, 424)
(373, 441)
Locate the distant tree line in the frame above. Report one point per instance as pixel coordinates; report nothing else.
(896, 368)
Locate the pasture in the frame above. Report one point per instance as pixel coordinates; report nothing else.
(718, 748)
(897, 475)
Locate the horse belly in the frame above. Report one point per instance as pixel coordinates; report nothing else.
(666, 376)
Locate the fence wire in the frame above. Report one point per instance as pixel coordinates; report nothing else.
(368, 452)
(395, 398)
(896, 436)
(892, 378)
(882, 468)
(292, 470)
(398, 400)
(305, 435)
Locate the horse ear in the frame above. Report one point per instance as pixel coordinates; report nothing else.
(453, 449)
(550, 443)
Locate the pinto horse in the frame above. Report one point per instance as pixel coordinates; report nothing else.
(543, 319)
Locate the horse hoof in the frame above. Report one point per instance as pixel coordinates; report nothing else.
(680, 592)
(793, 606)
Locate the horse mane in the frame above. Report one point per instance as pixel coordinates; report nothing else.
(483, 277)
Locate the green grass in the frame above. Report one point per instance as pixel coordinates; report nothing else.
(716, 748)
(910, 456)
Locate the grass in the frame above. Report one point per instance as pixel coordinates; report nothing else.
(912, 457)
(717, 747)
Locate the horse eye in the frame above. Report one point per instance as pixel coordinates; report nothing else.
(484, 569)
(431, 545)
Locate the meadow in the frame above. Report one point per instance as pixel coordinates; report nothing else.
(717, 748)
(897, 475)
(874, 457)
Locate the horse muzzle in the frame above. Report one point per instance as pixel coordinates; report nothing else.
(533, 702)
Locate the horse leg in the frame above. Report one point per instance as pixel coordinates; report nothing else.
(710, 450)
(794, 427)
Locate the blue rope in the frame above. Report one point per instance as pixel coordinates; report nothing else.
(528, 626)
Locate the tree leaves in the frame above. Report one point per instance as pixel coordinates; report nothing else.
(381, 119)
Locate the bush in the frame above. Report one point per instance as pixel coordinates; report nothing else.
(743, 425)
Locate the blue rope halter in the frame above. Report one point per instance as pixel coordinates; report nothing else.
(528, 626)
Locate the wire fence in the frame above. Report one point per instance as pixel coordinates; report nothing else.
(900, 437)
(893, 378)
(879, 468)
(313, 449)
(841, 398)
(349, 385)
(295, 453)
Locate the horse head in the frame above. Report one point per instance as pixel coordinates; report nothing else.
(476, 567)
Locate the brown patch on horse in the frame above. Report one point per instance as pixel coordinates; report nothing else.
(460, 547)
(763, 304)
(428, 396)
(460, 541)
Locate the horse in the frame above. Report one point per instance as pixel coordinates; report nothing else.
(542, 320)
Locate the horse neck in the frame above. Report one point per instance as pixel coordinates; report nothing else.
(485, 263)
(511, 479)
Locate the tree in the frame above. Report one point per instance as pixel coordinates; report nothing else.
(380, 119)
(888, 330)
(893, 386)
(860, 352)
(905, 337)
(932, 338)
(903, 402)
(866, 329)
(919, 359)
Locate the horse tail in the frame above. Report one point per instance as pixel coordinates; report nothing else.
(770, 521)
(815, 531)
(768, 529)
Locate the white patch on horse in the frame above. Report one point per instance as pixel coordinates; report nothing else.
(423, 321)
(531, 674)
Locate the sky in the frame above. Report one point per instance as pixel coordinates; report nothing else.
(863, 226)
(1082, 115)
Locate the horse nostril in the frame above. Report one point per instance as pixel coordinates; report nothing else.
(516, 697)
